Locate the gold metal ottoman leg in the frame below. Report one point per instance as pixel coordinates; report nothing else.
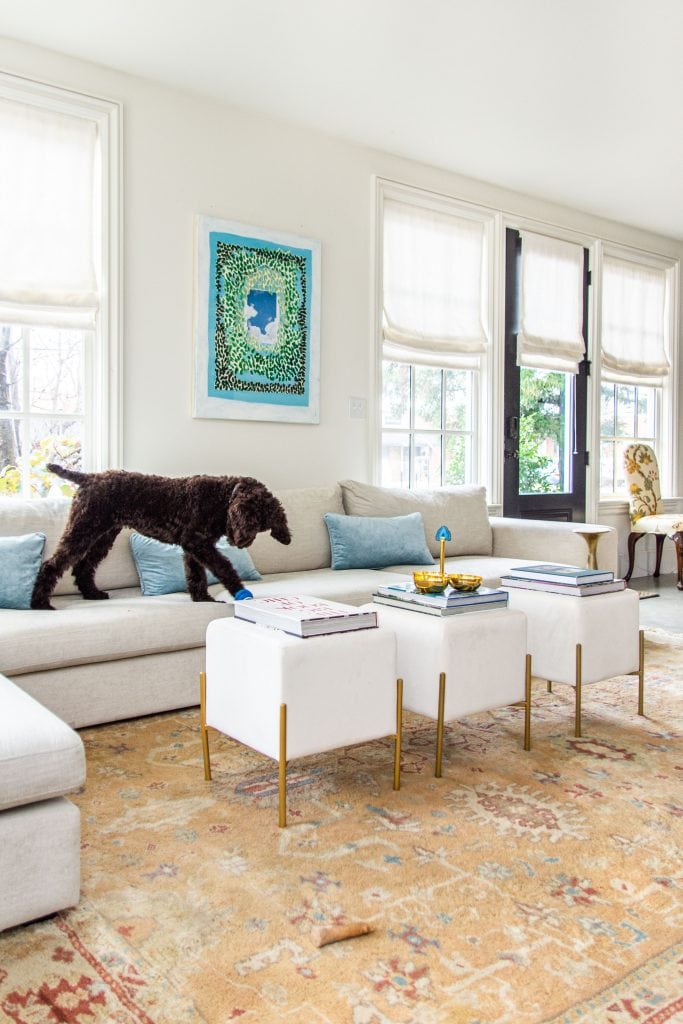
(439, 725)
(641, 672)
(282, 773)
(527, 704)
(399, 732)
(202, 726)
(577, 714)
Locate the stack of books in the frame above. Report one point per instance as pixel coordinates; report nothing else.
(304, 616)
(563, 579)
(451, 602)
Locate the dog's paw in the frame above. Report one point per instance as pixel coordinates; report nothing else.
(42, 606)
(96, 595)
(243, 594)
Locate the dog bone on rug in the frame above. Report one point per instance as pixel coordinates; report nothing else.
(320, 936)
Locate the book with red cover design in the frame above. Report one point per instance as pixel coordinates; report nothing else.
(303, 615)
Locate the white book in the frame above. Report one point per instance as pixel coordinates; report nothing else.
(304, 616)
(574, 590)
(426, 609)
(569, 574)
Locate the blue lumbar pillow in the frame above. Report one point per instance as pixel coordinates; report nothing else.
(162, 571)
(20, 558)
(371, 542)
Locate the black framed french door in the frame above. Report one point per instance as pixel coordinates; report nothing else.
(545, 454)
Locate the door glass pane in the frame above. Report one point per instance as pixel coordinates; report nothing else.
(10, 368)
(607, 412)
(54, 441)
(56, 370)
(395, 395)
(458, 405)
(626, 410)
(427, 461)
(10, 457)
(544, 431)
(646, 403)
(396, 460)
(455, 463)
(428, 397)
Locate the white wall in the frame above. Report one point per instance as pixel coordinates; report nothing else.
(185, 155)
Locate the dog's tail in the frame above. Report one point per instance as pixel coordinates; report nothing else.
(68, 474)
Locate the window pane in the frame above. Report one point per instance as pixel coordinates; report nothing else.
(455, 470)
(646, 408)
(396, 460)
(53, 441)
(458, 386)
(56, 370)
(543, 431)
(428, 397)
(607, 422)
(395, 395)
(10, 457)
(10, 368)
(607, 467)
(619, 469)
(427, 471)
(626, 410)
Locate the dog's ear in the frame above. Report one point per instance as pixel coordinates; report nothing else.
(279, 528)
(251, 509)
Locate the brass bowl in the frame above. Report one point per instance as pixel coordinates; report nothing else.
(430, 582)
(464, 582)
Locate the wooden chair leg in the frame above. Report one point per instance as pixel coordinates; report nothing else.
(677, 538)
(633, 539)
(659, 540)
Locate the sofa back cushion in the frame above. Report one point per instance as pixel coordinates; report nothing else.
(310, 546)
(48, 516)
(462, 509)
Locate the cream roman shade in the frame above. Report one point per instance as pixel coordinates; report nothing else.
(633, 335)
(551, 304)
(47, 165)
(432, 287)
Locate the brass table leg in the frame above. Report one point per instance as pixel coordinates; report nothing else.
(399, 730)
(577, 716)
(527, 704)
(202, 726)
(439, 724)
(282, 773)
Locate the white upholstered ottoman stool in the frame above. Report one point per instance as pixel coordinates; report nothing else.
(287, 697)
(581, 640)
(457, 665)
(41, 758)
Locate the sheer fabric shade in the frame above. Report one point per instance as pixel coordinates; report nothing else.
(47, 172)
(633, 322)
(432, 287)
(550, 335)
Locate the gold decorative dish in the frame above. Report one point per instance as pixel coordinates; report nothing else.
(430, 582)
(464, 582)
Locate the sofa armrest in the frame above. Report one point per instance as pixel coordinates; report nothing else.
(542, 540)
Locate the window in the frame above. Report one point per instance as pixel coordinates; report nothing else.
(436, 269)
(58, 285)
(636, 354)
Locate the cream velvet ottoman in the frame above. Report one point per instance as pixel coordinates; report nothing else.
(288, 697)
(41, 758)
(581, 640)
(457, 665)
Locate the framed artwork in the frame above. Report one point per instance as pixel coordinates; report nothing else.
(257, 330)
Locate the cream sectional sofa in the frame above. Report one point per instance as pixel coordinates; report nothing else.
(99, 661)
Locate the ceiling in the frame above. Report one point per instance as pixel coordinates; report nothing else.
(576, 101)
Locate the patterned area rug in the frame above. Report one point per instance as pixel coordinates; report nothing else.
(518, 889)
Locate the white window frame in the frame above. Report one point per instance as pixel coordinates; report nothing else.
(667, 407)
(483, 419)
(102, 414)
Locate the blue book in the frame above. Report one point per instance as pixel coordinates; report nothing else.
(568, 574)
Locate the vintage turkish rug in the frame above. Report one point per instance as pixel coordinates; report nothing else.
(518, 889)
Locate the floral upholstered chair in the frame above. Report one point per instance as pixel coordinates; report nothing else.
(647, 509)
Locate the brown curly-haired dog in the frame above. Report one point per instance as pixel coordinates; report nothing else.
(194, 512)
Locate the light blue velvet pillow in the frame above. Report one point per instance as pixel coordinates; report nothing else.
(161, 569)
(371, 542)
(20, 559)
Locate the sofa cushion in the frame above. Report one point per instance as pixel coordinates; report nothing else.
(162, 571)
(371, 542)
(40, 756)
(48, 516)
(462, 509)
(20, 558)
(310, 546)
